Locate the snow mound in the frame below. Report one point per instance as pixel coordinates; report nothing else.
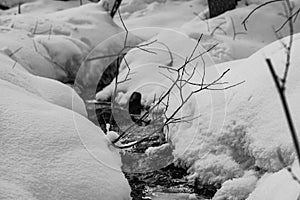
(49, 152)
(50, 90)
(239, 128)
(132, 6)
(21, 47)
(253, 126)
(66, 53)
(56, 45)
(143, 63)
(39, 7)
(277, 186)
(235, 42)
(237, 189)
(90, 23)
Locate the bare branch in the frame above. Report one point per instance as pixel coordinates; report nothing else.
(255, 9)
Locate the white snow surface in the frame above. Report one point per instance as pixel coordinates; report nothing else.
(38, 6)
(49, 152)
(277, 186)
(48, 89)
(55, 45)
(145, 72)
(239, 128)
(237, 189)
(250, 125)
(45, 145)
(236, 42)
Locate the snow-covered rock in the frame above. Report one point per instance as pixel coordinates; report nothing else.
(48, 89)
(22, 48)
(277, 186)
(112, 136)
(65, 53)
(237, 189)
(49, 152)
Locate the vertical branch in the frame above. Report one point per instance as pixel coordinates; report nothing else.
(115, 91)
(281, 91)
(115, 8)
(19, 8)
(290, 44)
(280, 83)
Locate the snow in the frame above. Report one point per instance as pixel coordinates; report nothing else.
(143, 63)
(93, 25)
(221, 29)
(34, 62)
(237, 189)
(48, 89)
(49, 152)
(159, 13)
(250, 126)
(239, 128)
(112, 136)
(279, 185)
(57, 45)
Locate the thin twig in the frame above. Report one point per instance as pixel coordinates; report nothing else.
(255, 9)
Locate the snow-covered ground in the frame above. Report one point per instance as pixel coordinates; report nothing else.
(55, 45)
(50, 150)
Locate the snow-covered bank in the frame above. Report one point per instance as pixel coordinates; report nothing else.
(59, 154)
(240, 129)
(38, 7)
(254, 126)
(145, 73)
(50, 152)
(49, 149)
(55, 45)
(48, 89)
(235, 41)
(278, 186)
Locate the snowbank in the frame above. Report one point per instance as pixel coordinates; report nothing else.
(39, 7)
(20, 46)
(143, 63)
(239, 128)
(56, 45)
(89, 23)
(234, 41)
(49, 152)
(156, 14)
(237, 189)
(50, 90)
(254, 126)
(277, 186)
